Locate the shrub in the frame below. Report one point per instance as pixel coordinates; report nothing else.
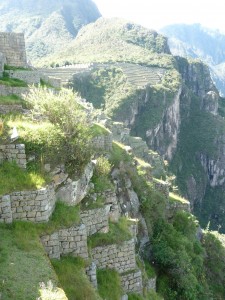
(62, 110)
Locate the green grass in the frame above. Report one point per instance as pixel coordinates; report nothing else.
(13, 178)
(99, 129)
(174, 197)
(72, 277)
(119, 154)
(7, 67)
(24, 264)
(5, 80)
(118, 233)
(109, 285)
(63, 217)
(10, 100)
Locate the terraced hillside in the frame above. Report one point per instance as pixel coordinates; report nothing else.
(141, 75)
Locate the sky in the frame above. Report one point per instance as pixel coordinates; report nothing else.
(156, 14)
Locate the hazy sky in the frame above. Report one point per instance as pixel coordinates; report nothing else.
(158, 13)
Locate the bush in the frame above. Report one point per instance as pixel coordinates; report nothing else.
(66, 115)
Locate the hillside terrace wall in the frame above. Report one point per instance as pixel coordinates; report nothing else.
(6, 90)
(13, 152)
(96, 220)
(30, 77)
(67, 241)
(12, 46)
(120, 257)
(132, 282)
(35, 206)
(5, 109)
(103, 142)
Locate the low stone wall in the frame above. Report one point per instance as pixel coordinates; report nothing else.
(53, 81)
(151, 284)
(119, 257)
(13, 152)
(132, 282)
(96, 220)
(5, 210)
(34, 206)
(30, 77)
(175, 206)
(67, 241)
(5, 109)
(72, 192)
(91, 272)
(6, 90)
(103, 142)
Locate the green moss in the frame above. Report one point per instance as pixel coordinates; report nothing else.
(109, 285)
(7, 67)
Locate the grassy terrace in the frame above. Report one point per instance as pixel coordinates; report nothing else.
(13, 179)
(10, 100)
(5, 80)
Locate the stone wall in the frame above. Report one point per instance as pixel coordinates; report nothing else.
(13, 152)
(5, 210)
(34, 206)
(96, 220)
(120, 257)
(53, 81)
(151, 284)
(5, 109)
(2, 63)
(132, 282)
(175, 206)
(103, 142)
(30, 77)
(12, 46)
(67, 241)
(91, 272)
(6, 90)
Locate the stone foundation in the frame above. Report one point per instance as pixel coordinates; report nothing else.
(30, 77)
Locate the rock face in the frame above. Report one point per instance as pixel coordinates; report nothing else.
(72, 192)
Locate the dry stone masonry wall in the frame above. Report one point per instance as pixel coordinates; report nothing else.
(67, 241)
(13, 152)
(103, 142)
(5, 109)
(96, 220)
(34, 206)
(6, 90)
(12, 46)
(132, 282)
(119, 257)
(30, 77)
